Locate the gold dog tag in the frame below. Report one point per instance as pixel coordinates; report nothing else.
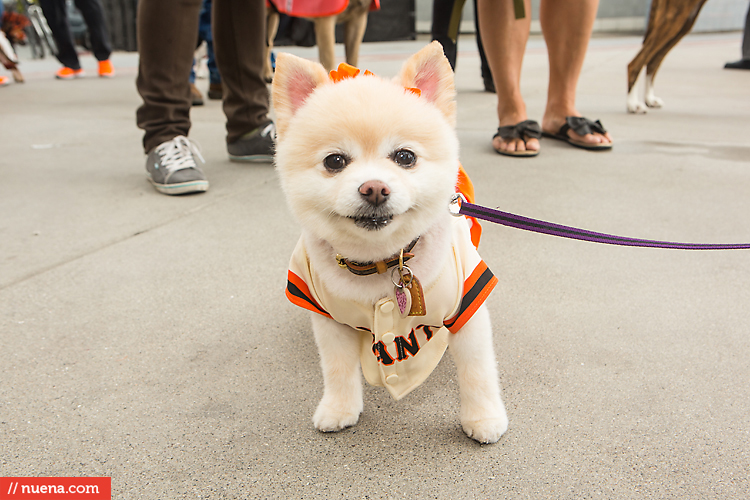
(417, 298)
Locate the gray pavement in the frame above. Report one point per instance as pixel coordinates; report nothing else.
(147, 338)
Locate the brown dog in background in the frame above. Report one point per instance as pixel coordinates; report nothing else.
(668, 22)
(354, 18)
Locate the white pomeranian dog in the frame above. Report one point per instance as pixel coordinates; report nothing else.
(369, 167)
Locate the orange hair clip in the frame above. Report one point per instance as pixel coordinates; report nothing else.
(345, 71)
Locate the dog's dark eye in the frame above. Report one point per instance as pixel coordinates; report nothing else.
(404, 158)
(335, 162)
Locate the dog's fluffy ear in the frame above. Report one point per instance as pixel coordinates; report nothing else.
(293, 82)
(430, 72)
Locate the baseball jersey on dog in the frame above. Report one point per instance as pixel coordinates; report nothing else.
(398, 352)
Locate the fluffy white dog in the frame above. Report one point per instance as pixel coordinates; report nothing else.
(369, 167)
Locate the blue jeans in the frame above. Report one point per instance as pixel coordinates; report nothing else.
(205, 35)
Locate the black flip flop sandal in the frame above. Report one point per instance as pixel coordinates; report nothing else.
(525, 130)
(580, 126)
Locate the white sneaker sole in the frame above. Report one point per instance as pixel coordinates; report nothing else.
(181, 188)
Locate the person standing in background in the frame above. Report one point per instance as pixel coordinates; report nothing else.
(446, 25)
(567, 26)
(93, 14)
(743, 63)
(214, 78)
(167, 37)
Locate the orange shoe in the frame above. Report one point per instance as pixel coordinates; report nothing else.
(66, 73)
(4, 80)
(106, 70)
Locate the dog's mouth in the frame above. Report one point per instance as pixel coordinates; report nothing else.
(372, 223)
(371, 218)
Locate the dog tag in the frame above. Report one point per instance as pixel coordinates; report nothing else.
(403, 294)
(403, 299)
(409, 293)
(417, 298)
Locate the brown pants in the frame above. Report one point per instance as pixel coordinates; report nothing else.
(167, 38)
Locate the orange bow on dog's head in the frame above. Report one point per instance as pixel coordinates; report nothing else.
(345, 71)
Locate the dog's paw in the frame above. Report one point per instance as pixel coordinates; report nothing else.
(637, 108)
(654, 102)
(486, 431)
(327, 419)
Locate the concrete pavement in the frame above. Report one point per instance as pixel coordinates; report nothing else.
(147, 338)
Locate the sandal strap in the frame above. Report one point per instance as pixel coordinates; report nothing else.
(528, 128)
(581, 126)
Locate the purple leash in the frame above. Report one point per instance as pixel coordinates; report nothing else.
(459, 206)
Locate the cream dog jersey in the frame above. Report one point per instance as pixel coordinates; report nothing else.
(400, 352)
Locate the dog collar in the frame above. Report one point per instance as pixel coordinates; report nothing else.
(367, 268)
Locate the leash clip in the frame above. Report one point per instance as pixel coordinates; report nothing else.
(340, 261)
(454, 207)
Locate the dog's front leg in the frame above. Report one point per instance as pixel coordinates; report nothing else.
(483, 416)
(325, 38)
(354, 32)
(635, 104)
(338, 346)
(650, 98)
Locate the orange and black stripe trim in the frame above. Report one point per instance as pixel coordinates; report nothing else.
(476, 289)
(299, 294)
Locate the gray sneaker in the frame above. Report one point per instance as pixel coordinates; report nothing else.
(255, 146)
(172, 169)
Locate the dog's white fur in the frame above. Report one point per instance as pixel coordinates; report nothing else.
(638, 105)
(367, 119)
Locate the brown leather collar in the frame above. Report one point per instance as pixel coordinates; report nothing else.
(379, 267)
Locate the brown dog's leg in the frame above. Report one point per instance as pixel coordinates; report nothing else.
(325, 37)
(354, 31)
(640, 60)
(671, 21)
(686, 25)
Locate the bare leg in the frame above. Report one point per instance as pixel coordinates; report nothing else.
(567, 26)
(504, 39)
(338, 346)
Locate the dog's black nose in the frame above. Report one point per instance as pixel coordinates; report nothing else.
(375, 192)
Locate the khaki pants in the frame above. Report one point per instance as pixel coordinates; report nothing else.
(167, 37)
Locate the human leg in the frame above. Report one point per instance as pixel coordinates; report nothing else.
(93, 14)
(167, 35)
(743, 63)
(206, 35)
(504, 39)
(489, 85)
(240, 46)
(445, 14)
(57, 19)
(567, 26)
